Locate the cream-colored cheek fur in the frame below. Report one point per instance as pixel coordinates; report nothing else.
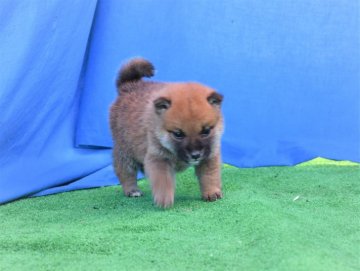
(165, 140)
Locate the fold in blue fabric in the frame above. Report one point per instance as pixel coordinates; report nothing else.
(288, 70)
(42, 53)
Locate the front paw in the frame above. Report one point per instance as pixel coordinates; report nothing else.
(164, 200)
(212, 195)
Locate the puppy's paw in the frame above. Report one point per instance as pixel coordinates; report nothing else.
(212, 196)
(165, 200)
(134, 193)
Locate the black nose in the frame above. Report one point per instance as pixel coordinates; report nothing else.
(195, 155)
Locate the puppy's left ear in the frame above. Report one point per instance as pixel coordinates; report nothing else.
(215, 99)
(161, 104)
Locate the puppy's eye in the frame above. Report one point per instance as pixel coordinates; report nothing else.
(178, 134)
(205, 131)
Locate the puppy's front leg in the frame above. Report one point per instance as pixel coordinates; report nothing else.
(209, 175)
(161, 175)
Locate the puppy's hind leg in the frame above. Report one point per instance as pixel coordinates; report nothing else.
(126, 172)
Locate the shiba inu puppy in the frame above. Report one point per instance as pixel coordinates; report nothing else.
(161, 128)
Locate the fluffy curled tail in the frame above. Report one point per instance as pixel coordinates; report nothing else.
(134, 70)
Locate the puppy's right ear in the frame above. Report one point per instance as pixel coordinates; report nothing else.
(161, 104)
(215, 99)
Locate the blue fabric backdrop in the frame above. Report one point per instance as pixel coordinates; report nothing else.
(289, 71)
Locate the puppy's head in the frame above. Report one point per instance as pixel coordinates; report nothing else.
(189, 121)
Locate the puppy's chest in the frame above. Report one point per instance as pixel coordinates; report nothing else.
(181, 166)
(177, 164)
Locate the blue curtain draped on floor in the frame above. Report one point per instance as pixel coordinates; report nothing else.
(289, 71)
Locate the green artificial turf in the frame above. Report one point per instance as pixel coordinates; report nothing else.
(273, 218)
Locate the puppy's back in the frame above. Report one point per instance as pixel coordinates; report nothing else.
(127, 113)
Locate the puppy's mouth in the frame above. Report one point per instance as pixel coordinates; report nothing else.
(195, 158)
(193, 162)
